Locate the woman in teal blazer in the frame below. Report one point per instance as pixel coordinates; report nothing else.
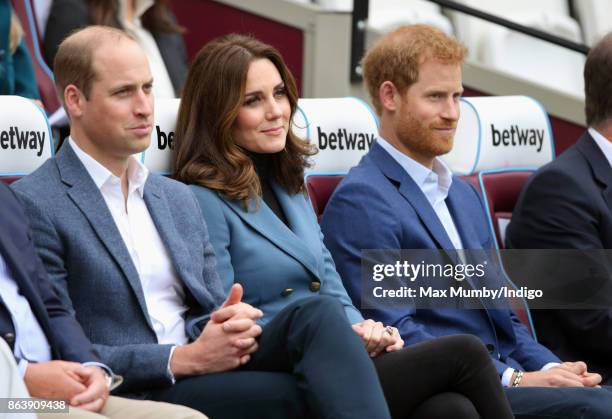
(16, 72)
(235, 146)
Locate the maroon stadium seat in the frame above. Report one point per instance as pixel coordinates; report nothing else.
(320, 189)
(501, 189)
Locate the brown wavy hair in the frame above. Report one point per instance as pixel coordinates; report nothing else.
(205, 152)
(156, 19)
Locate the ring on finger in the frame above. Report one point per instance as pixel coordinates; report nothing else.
(389, 330)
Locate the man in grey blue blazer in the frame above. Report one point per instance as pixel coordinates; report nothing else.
(129, 252)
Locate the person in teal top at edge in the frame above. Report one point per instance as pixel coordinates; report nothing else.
(16, 72)
(246, 167)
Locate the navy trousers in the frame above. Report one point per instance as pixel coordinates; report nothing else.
(310, 363)
(560, 403)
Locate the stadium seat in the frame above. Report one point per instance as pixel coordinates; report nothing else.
(500, 190)
(25, 138)
(519, 55)
(385, 15)
(158, 157)
(536, 60)
(498, 132)
(499, 142)
(595, 17)
(343, 130)
(320, 189)
(472, 30)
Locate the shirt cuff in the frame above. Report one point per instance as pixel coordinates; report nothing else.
(507, 376)
(549, 366)
(104, 367)
(22, 365)
(170, 374)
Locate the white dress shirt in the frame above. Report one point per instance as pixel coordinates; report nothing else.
(435, 184)
(604, 144)
(163, 290)
(162, 86)
(31, 344)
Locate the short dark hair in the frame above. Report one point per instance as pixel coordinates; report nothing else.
(598, 82)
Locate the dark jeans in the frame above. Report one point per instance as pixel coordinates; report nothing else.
(309, 360)
(448, 377)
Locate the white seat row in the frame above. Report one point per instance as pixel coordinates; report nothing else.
(500, 48)
(493, 132)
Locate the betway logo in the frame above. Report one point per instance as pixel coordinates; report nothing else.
(23, 140)
(516, 136)
(343, 140)
(164, 140)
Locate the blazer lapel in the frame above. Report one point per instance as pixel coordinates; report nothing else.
(87, 197)
(415, 196)
(465, 227)
(266, 223)
(158, 207)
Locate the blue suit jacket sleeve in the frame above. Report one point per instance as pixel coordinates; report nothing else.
(529, 353)
(352, 225)
(146, 363)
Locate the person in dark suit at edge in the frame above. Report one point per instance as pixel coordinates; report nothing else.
(567, 204)
(54, 357)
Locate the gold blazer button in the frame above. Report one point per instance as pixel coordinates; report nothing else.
(315, 286)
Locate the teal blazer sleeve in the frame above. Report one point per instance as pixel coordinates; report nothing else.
(17, 75)
(275, 264)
